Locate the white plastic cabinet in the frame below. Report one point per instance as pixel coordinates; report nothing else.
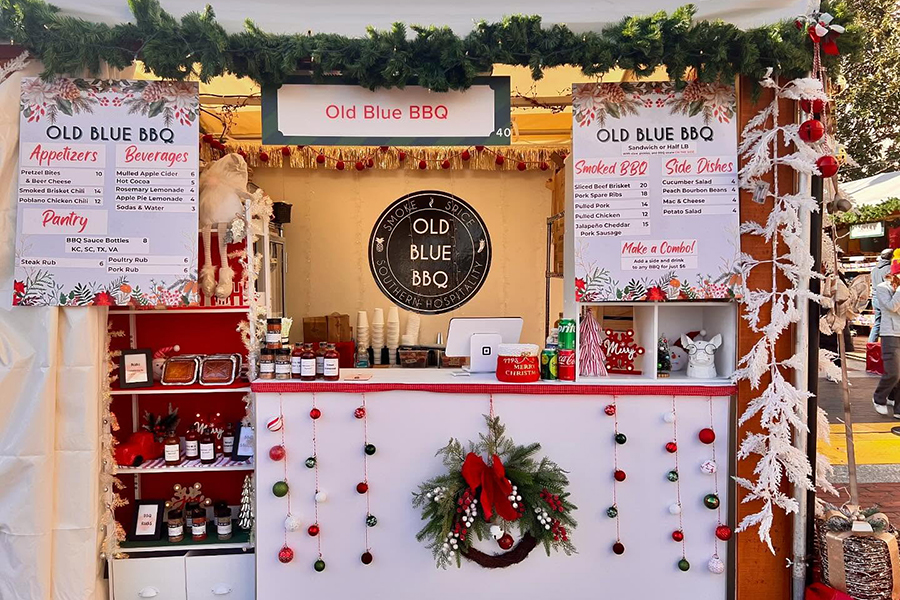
(220, 577)
(193, 576)
(149, 578)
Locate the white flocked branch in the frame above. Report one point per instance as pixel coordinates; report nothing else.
(765, 146)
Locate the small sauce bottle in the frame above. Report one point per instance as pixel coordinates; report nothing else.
(172, 449)
(223, 520)
(198, 524)
(228, 440)
(332, 364)
(176, 525)
(189, 514)
(207, 448)
(295, 361)
(191, 445)
(283, 363)
(320, 360)
(308, 363)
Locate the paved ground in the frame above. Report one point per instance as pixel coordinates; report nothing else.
(877, 448)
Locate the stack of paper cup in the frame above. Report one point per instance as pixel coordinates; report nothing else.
(377, 334)
(392, 333)
(362, 330)
(411, 335)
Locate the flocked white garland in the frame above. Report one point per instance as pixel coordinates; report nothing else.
(16, 64)
(781, 407)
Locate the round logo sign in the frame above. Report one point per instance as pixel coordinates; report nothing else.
(430, 252)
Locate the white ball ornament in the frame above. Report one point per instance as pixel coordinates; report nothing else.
(716, 566)
(675, 508)
(709, 467)
(292, 523)
(669, 417)
(321, 496)
(496, 532)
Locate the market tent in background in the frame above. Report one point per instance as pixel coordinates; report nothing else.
(873, 190)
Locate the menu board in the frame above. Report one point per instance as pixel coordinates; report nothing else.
(430, 252)
(107, 194)
(655, 192)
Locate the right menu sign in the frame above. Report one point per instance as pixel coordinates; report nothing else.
(656, 192)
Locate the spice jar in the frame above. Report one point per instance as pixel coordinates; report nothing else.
(191, 445)
(320, 360)
(266, 364)
(295, 361)
(223, 520)
(172, 449)
(228, 440)
(176, 525)
(273, 334)
(308, 363)
(189, 514)
(332, 369)
(207, 448)
(283, 363)
(198, 524)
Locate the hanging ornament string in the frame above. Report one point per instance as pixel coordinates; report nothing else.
(613, 511)
(674, 477)
(320, 496)
(283, 453)
(281, 488)
(723, 531)
(363, 487)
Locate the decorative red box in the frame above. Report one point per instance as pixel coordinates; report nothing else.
(874, 364)
(518, 363)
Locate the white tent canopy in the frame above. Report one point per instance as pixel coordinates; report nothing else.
(353, 16)
(873, 190)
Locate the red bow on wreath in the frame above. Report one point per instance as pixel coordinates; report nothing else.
(495, 487)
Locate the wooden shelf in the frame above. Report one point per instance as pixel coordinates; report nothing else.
(195, 388)
(158, 465)
(239, 539)
(185, 310)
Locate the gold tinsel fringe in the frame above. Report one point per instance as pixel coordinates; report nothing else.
(305, 157)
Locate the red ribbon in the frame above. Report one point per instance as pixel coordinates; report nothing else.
(495, 487)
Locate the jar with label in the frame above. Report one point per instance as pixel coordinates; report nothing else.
(295, 361)
(266, 364)
(198, 524)
(320, 360)
(308, 363)
(191, 445)
(207, 448)
(176, 525)
(172, 449)
(273, 334)
(189, 515)
(223, 520)
(332, 366)
(283, 363)
(228, 440)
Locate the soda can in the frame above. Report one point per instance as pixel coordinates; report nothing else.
(566, 365)
(567, 334)
(548, 365)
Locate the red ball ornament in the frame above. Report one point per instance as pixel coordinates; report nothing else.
(465, 155)
(619, 474)
(610, 409)
(359, 413)
(544, 166)
(828, 166)
(678, 535)
(315, 413)
(505, 541)
(208, 139)
(221, 146)
(362, 487)
(499, 160)
(479, 148)
(299, 147)
(320, 159)
(521, 166)
(359, 165)
(370, 162)
(811, 130)
(285, 555)
(286, 151)
(366, 558)
(401, 156)
(276, 452)
(619, 548)
(724, 532)
(339, 165)
(671, 447)
(383, 148)
(423, 164)
(264, 156)
(313, 530)
(812, 106)
(445, 164)
(707, 435)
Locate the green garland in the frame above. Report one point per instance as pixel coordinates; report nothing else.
(869, 214)
(435, 57)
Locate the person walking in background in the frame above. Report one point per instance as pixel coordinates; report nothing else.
(888, 297)
(877, 274)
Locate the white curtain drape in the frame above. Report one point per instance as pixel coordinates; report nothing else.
(51, 365)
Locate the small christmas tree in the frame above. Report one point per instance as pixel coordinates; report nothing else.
(245, 516)
(593, 361)
(663, 357)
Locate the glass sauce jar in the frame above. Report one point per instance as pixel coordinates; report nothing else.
(308, 363)
(320, 360)
(283, 363)
(332, 368)
(223, 520)
(207, 448)
(172, 449)
(191, 445)
(273, 334)
(198, 524)
(228, 440)
(267, 364)
(176, 525)
(296, 361)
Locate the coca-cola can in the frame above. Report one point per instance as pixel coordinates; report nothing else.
(565, 364)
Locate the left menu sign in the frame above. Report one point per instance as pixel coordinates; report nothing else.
(107, 211)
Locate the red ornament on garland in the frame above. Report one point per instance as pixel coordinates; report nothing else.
(812, 106)
(499, 160)
(359, 413)
(276, 452)
(401, 156)
(315, 413)
(383, 148)
(359, 165)
(285, 555)
(671, 447)
(366, 558)
(479, 148)
(221, 146)
(544, 166)
(286, 151)
(208, 138)
(370, 162)
(320, 159)
(621, 351)
(521, 166)
(811, 130)
(828, 165)
(445, 164)
(678, 535)
(707, 435)
(618, 548)
(362, 487)
(619, 474)
(423, 164)
(339, 165)
(724, 532)
(313, 530)
(610, 409)
(300, 147)
(505, 541)
(465, 155)
(264, 156)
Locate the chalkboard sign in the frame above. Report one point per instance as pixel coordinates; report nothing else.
(430, 252)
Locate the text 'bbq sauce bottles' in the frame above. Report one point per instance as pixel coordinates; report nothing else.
(332, 369)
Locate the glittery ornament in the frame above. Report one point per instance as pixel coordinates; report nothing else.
(362, 487)
(619, 475)
(618, 548)
(371, 521)
(610, 409)
(671, 447)
(716, 565)
(321, 497)
(313, 530)
(366, 558)
(612, 512)
(672, 475)
(292, 523)
(280, 488)
(315, 413)
(620, 438)
(708, 467)
(724, 532)
(319, 565)
(369, 449)
(310, 462)
(707, 435)
(683, 564)
(669, 417)
(359, 413)
(505, 542)
(285, 555)
(711, 501)
(678, 535)
(276, 452)
(675, 508)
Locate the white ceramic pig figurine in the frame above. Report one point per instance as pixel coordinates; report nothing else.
(702, 362)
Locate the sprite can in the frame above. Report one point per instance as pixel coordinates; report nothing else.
(567, 334)
(548, 365)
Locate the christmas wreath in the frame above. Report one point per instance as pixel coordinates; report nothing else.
(477, 499)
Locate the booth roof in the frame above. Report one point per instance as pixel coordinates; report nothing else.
(353, 16)
(873, 190)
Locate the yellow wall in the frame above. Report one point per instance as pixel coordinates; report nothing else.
(332, 218)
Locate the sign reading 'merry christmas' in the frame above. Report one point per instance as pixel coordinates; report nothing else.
(655, 192)
(107, 195)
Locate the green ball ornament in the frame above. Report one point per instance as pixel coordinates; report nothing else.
(319, 565)
(711, 501)
(280, 489)
(672, 475)
(621, 439)
(683, 564)
(370, 449)
(311, 462)
(612, 512)
(371, 521)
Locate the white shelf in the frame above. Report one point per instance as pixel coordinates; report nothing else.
(181, 311)
(158, 465)
(177, 389)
